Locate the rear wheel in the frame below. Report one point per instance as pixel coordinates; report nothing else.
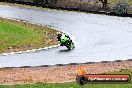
(70, 46)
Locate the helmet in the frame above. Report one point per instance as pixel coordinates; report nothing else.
(59, 34)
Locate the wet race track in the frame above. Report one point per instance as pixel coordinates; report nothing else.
(97, 37)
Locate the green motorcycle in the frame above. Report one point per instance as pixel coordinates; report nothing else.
(65, 40)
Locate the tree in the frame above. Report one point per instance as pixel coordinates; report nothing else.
(121, 7)
(50, 2)
(46, 2)
(104, 2)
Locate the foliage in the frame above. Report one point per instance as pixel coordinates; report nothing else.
(121, 7)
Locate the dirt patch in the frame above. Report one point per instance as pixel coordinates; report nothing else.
(56, 74)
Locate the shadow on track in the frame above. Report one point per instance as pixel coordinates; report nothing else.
(65, 50)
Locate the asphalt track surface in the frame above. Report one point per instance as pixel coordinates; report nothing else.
(97, 37)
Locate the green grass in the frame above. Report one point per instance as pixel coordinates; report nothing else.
(68, 85)
(15, 36)
(75, 85)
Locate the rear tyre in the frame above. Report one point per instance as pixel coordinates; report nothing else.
(69, 48)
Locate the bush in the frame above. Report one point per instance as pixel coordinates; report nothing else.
(121, 7)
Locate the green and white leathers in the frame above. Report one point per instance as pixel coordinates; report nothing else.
(64, 38)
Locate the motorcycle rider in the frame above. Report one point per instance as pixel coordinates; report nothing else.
(63, 38)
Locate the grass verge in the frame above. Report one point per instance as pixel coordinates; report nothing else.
(75, 85)
(16, 36)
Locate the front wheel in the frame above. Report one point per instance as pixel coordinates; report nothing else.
(71, 46)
